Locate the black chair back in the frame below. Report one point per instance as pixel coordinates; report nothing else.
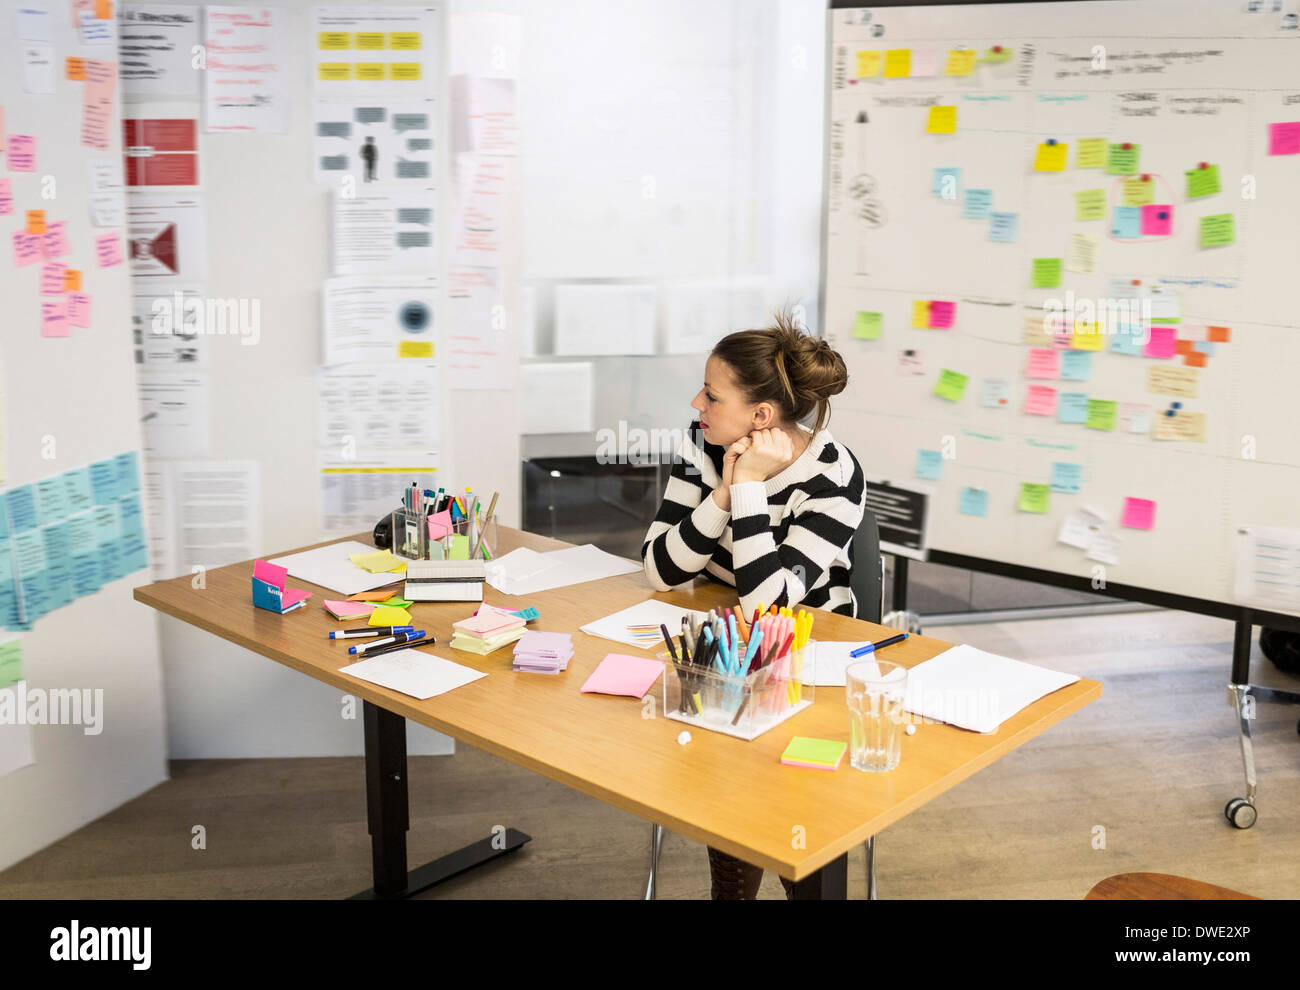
(864, 575)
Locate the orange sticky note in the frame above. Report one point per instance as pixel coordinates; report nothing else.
(104, 10)
(1218, 335)
(71, 280)
(382, 595)
(76, 68)
(1183, 347)
(1195, 359)
(35, 221)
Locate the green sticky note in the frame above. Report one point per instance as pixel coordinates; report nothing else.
(1139, 191)
(951, 385)
(397, 601)
(1121, 160)
(821, 753)
(1202, 181)
(1035, 498)
(1090, 153)
(459, 547)
(11, 663)
(1101, 414)
(1090, 204)
(1047, 273)
(1218, 230)
(530, 613)
(867, 326)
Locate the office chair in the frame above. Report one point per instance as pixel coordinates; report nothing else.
(867, 581)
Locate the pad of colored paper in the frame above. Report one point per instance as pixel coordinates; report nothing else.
(440, 524)
(348, 610)
(817, 754)
(621, 674)
(387, 615)
(379, 562)
(269, 591)
(382, 595)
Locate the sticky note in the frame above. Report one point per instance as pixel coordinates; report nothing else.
(382, 595)
(75, 68)
(941, 120)
(404, 71)
(1128, 340)
(52, 279)
(334, 71)
(925, 62)
(459, 547)
(1043, 363)
(1082, 256)
(368, 40)
(1051, 157)
(1090, 204)
(6, 197)
(1162, 342)
(378, 562)
(1202, 181)
(35, 221)
(404, 41)
(1284, 138)
(22, 153)
(816, 754)
(1073, 408)
(1157, 220)
(997, 54)
(929, 464)
(1139, 513)
(388, 615)
(1040, 400)
(1126, 222)
(368, 71)
(977, 204)
(1067, 478)
(869, 63)
(1135, 417)
(1196, 359)
(1087, 337)
(1185, 426)
(71, 280)
(108, 250)
(621, 673)
(961, 62)
(911, 362)
(951, 385)
(1076, 366)
(333, 40)
(78, 309)
(103, 10)
(1003, 227)
(1220, 335)
(920, 314)
(942, 314)
(1138, 191)
(974, 502)
(1102, 414)
(1172, 380)
(1121, 160)
(947, 183)
(898, 63)
(27, 248)
(1090, 153)
(1046, 273)
(1034, 498)
(54, 319)
(867, 326)
(1218, 229)
(994, 393)
(54, 242)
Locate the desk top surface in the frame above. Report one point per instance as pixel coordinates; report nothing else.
(731, 794)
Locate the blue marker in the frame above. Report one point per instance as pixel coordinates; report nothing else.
(862, 651)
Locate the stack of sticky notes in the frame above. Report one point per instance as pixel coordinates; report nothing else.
(349, 609)
(818, 754)
(621, 673)
(390, 615)
(269, 591)
(485, 632)
(543, 652)
(379, 562)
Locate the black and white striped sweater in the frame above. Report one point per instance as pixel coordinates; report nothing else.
(785, 541)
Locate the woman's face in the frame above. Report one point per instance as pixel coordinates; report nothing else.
(725, 414)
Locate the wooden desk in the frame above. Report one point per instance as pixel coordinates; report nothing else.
(719, 790)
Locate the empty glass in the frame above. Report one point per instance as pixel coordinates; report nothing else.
(874, 691)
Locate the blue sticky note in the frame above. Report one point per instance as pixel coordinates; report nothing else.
(85, 554)
(947, 179)
(51, 501)
(929, 464)
(1076, 366)
(132, 549)
(58, 562)
(1067, 478)
(1204, 346)
(77, 490)
(1072, 407)
(977, 204)
(1127, 222)
(108, 534)
(528, 614)
(1127, 340)
(103, 481)
(20, 503)
(974, 502)
(128, 472)
(1004, 227)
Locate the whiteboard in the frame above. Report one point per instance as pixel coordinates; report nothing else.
(1186, 83)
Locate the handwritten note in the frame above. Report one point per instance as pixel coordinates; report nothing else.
(929, 465)
(27, 248)
(79, 309)
(1073, 408)
(961, 62)
(1090, 204)
(946, 183)
(977, 204)
(1121, 159)
(52, 279)
(108, 250)
(1004, 227)
(1044, 362)
(22, 153)
(54, 319)
(867, 326)
(1126, 223)
(941, 120)
(1139, 513)
(1051, 156)
(1067, 478)
(869, 63)
(1046, 273)
(54, 242)
(1172, 380)
(951, 385)
(994, 393)
(6, 198)
(1082, 256)
(1162, 342)
(974, 502)
(1202, 181)
(1218, 230)
(1090, 153)
(898, 63)
(1134, 417)
(1040, 400)
(1157, 220)
(71, 280)
(1181, 425)
(1102, 414)
(1284, 138)
(35, 221)
(942, 314)
(1138, 191)
(1034, 498)
(1076, 366)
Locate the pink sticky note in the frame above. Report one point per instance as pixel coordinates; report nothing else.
(79, 309)
(1158, 219)
(6, 198)
(440, 524)
(22, 153)
(1040, 401)
(942, 314)
(1162, 342)
(27, 248)
(1284, 139)
(54, 242)
(272, 574)
(108, 250)
(619, 673)
(52, 279)
(1044, 362)
(1139, 513)
(54, 319)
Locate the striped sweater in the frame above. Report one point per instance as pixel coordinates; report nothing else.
(785, 541)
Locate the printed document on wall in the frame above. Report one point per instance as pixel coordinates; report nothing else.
(480, 338)
(375, 141)
(156, 49)
(380, 318)
(375, 51)
(480, 204)
(1268, 567)
(168, 240)
(161, 529)
(174, 414)
(367, 408)
(168, 329)
(384, 231)
(244, 88)
(218, 513)
(356, 494)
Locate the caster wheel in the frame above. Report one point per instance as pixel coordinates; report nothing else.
(1241, 813)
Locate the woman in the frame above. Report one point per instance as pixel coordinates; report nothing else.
(757, 501)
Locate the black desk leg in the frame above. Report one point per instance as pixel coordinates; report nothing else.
(830, 883)
(387, 814)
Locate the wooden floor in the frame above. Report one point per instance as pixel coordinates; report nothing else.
(1152, 763)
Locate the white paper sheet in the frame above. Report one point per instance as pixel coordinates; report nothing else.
(652, 611)
(1268, 567)
(218, 513)
(369, 407)
(421, 675)
(605, 319)
(375, 141)
(156, 44)
(244, 87)
(331, 567)
(383, 232)
(525, 574)
(480, 336)
(166, 331)
(403, 41)
(380, 318)
(168, 244)
(479, 192)
(354, 495)
(174, 414)
(38, 67)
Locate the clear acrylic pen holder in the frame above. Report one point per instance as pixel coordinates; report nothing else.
(744, 707)
(465, 540)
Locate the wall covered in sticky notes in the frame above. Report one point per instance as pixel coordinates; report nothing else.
(1115, 386)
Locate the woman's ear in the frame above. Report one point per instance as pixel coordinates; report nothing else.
(764, 417)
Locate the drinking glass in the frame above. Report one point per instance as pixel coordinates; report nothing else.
(874, 691)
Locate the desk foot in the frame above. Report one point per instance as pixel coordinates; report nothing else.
(452, 865)
(830, 883)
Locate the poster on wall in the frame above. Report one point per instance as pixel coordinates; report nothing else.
(244, 90)
(374, 141)
(380, 318)
(156, 50)
(160, 147)
(168, 240)
(374, 51)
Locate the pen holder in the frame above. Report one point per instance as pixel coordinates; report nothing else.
(747, 706)
(456, 542)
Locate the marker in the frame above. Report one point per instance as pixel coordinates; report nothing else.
(862, 651)
(406, 637)
(372, 631)
(394, 647)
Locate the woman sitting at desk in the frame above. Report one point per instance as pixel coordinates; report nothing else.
(759, 502)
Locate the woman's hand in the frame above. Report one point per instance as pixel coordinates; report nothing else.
(722, 494)
(768, 453)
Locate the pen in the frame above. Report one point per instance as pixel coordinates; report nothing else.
(370, 631)
(368, 648)
(669, 640)
(872, 647)
(393, 648)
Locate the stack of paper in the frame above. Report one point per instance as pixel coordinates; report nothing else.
(378, 562)
(817, 754)
(349, 610)
(487, 632)
(524, 572)
(629, 626)
(543, 652)
(421, 675)
(389, 615)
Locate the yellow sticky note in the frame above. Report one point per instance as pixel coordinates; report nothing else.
(406, 41)
(334, 71)
(1087, 337)
(942, 120)
(920, 314)
(333, 41)
(1090, 204)
(997, 55)
(415, 349)
(378, 562)
(1090, 153)
(389, 615)
(869, 64)
(898, 63)
(368, 71)
(405, 71)
(1051, 156)
(459, 547)
(370, 40)
(1139, 191)
(961, 62)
